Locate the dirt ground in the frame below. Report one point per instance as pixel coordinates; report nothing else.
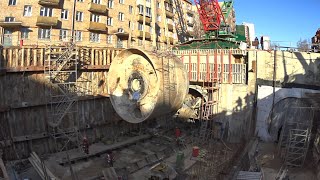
(271, 163)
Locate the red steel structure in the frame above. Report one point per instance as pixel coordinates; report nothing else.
(210, 14)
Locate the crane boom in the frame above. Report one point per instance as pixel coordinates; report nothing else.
(210, 14)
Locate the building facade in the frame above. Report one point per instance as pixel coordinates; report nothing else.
(150, 24)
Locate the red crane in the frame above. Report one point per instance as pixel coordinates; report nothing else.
(210, 14)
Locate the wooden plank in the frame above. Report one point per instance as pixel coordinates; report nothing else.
(108, 56)
(34, 63)
(41, 60)
(28, 57)
(92, 56)
(104, 57)
(17, 58)
(5, 63)
(22, 57)
(10, 58)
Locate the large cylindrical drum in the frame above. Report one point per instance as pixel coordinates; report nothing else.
(144, 85)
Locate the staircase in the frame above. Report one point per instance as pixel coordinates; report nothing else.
(61, 70)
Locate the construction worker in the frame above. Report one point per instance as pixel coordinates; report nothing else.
(85, 145)
(110, 159)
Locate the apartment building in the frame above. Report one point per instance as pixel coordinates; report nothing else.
(148, 24)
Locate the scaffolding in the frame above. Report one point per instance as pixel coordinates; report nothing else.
(295, 136)
(208, 108)
(61, 69)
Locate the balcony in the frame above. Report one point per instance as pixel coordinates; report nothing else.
(171, 40)
(47, 21)
(122, 35)
(169, 13)
(49, 2)
(95, 26)
(168, 1)
(147, 35)
(148, 19)
(170, 27)
(10, 24)
(190, 33)
(190, 12)
(164, 39)
(190, 23)
(98, 8)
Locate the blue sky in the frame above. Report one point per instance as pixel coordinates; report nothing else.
(282, 20)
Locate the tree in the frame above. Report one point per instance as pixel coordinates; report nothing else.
(303, 45)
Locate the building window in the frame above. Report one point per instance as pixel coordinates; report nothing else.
(78, 35)
(109, 21)
(130, 9)
(45, 11)
(121, 1)
(109, 39)
(94, 37)
(121, 16)
(158, 18)
(140, 7)
(148, 0)
(96, 1)
(27, 10)
(110, 3)
(158, 4)
(24, 33)
(44, 34)
(79, 0)
(95, 18)
(120, 30)
(148, 11)
(150, 30)
(63, 36)
(140, 26)
(64, 14)
(9, 19)
(131, 25)
(12, 2)
(79, 16)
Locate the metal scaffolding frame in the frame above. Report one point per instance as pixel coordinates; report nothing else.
(208, 108)
(295, 136)
(61, 69)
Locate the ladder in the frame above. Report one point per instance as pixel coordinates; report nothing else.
(211, 85)
(169, 78)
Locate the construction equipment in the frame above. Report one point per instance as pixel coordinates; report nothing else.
(144, 85)
(218, 21)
